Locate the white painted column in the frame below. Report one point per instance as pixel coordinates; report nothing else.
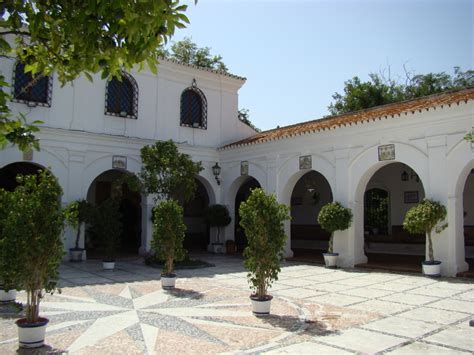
(274, 188)
(147, 224)
(349, 243)
(72, 192)
(444, 243)
(455, 234)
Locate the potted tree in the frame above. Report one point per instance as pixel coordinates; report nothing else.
(107, 226)
(8, 251)
(427, 217)
(168, 236)
(333, 217)
(35, 222)
(77, 213)
(262, 219)
(217, 216)
(170, 177)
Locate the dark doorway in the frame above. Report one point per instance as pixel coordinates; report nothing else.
(308, 240)
(197, 233)
(130, 208)
(242, 194)
(9, 173)
(389, 194)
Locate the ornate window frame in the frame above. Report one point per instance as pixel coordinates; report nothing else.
(31, 103)
(203, 99)
(134, 84)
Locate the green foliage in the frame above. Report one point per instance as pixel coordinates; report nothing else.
(217, 216)
(76, 213)
(187, 52)
(424, 218)
(34, 221)
(262, 219)
(106, 225)
(168, 173)
(168, 233)
(378, 90)
(244, 115)
(376, 208)
(71, 38)
(9, 263)
(334, 217)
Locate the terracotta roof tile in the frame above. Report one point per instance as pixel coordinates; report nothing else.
(379, 112)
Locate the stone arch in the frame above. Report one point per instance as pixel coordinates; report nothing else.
(43, 158)
(98, 166)
(131, 203)
(310, 193)
(289, 173)
(361, 169)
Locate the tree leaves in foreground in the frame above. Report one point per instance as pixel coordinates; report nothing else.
(71, 38)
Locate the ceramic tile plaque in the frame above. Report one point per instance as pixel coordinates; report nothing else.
(387, 152)
(305, 162)
(119, 162)
(244, 168)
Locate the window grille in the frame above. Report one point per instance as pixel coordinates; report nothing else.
(193, 108)
(121, 98)
(29, 89)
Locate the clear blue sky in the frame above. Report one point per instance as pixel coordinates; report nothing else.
(295, 54)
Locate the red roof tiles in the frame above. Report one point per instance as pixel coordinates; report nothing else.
(379, 112)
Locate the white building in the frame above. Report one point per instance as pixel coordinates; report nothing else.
(402, 152)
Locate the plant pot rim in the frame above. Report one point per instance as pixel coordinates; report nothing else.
(41, 322)
(77, 249)
(429, 262)
(331, 254)
(170, 276)
(108, 261)
(257, 299)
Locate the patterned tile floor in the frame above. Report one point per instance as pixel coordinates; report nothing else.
(315, 310)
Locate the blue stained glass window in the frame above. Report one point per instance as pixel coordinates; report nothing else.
(193, 108)
(31, 88)
(121, 97)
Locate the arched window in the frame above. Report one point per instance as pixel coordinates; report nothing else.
(32, 90)
(193, 108)
(121, 98)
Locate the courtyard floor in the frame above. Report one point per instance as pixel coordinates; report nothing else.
(314, 310)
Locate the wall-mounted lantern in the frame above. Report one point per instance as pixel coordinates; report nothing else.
(216, 170)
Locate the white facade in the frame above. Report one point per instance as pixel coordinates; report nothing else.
(78, 143)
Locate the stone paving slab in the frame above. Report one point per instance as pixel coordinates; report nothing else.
(315, 310)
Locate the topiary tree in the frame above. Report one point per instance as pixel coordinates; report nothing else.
(334, 217)
(262, 218)
(168, 234)
(9, 262)
(168, 173)
(77, 213)
(217, 216)
(424, 218)
(34, 221)
(107, 226)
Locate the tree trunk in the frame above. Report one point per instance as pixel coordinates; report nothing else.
(78, 235)
(330, 249)
(430, 246)
(218, 237)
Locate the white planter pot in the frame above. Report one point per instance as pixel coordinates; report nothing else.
(431, 268)
(217, 248)
(7, 296)
(31, 335)
(108, 265)
(76, 254)
(261, 307)
(330, 259)
(168, 281)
